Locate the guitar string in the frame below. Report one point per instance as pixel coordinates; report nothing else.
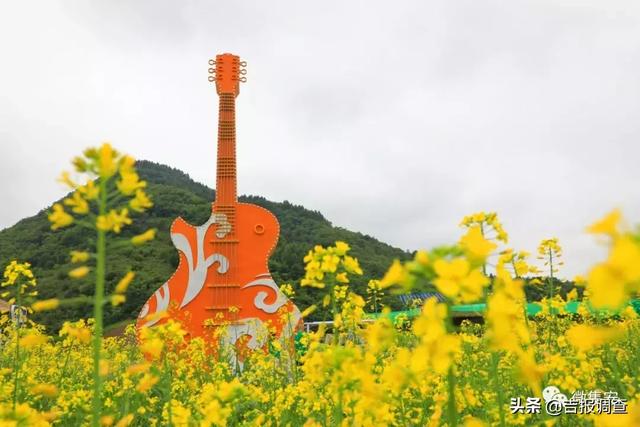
(226, 202)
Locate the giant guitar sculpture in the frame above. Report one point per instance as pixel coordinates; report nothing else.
(223, 278)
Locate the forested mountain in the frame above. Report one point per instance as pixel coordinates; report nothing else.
(175, 194)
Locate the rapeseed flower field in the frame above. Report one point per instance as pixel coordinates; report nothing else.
(363, 371)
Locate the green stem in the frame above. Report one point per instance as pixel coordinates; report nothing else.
(451, 378)
(63, 371)
(451, 405)
(495, 361)
(615, 368)
(403, 411)
(168, 389)
(334, 311)
(484, 264)
(524, 306)
(97, 310)
(16, 363)
(550, 291)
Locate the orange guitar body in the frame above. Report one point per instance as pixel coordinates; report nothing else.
(223, 278)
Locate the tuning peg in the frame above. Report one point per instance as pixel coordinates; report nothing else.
(243, 71)
(212, 79)
(212, 70)
(212, 62)
(243, 79)
(243, 63)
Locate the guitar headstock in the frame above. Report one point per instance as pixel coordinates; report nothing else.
(228, 73)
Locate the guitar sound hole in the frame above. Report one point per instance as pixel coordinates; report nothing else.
(259, 229)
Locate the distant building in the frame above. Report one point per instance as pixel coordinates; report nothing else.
(420, 297)
(17, 314)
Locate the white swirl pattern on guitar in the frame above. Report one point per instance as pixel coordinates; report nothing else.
(197, 265)
(261, 296)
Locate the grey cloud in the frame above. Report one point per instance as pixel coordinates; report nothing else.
(394, 121)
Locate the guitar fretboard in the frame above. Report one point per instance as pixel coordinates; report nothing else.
(226, 193)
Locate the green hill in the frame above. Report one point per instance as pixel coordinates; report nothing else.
(174, 194)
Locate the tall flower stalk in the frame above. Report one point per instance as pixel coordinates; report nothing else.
(550, 252)
(98, 298)
(103, 208)
(329, 269)
(19, 281)
(374, 295)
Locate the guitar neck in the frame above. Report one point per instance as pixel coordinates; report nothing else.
(226, 185)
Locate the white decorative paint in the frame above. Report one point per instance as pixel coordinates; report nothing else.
(261, 296)
(197, 264)
(253, 327)
(144, 311)
(162, 297)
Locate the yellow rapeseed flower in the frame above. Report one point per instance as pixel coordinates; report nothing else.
(351, 265)
(287, 290)
(127, 164)
(77, 203)
(422, 257)
(138, 368)
(475, 245)
(144, 237)
(606, 288)
(107, 420)
(396, 275)
(79, 272)
(113, 221)
(342, 278)
(76, 331)
(107, 161)
(48, 390)
(45, 305)
(308, 310)
(124, 283)
(507, 328)
(457, 281)
(610, 283)
(607, 225)
(117, 299)
(125, 421)
(80, 164)
(625, 259)
(59, 218)
(550, 246)
(32, 340)
(65, 179)
(130, 182)
(152, 347)
(146, 382)
(470, 421)
(79, 256)
(341, 248)
(585, 337)
(530, 372)
(450, 274)
(140, 202)
(89, 191)
(329, 263)
(105, 367)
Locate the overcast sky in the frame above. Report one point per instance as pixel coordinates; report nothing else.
(394, 119)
